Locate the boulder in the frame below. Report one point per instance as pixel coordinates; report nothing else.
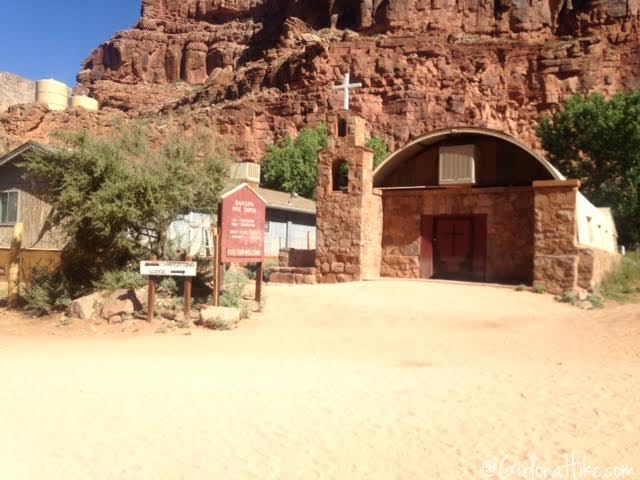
(84, 307)
(220, 318)
(121, 302)
(142, 297)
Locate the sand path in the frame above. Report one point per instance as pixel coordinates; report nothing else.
(379, 380)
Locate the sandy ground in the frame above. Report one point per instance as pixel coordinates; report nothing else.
(380, 380)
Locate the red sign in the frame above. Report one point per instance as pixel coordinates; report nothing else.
(243, 218)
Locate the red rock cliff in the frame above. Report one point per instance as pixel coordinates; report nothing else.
(259, 69)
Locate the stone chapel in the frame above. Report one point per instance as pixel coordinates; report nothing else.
(462, 203)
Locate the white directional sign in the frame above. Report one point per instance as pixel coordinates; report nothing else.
(168, 269)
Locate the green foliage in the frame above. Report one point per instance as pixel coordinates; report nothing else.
(116, 197)
(171, 286)
(540, 289)
(380, 149)
(245, 311)
(521, 288)
(217, 324)
(120, 279)
(569, 296)
(596, 301)
(291, 166)
(234, 284)
(624, 283)
(47, 292)
(598, 142)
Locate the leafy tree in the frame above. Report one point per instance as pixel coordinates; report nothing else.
(115, 198)
(292, 165)
(598, 142)
(380, 149)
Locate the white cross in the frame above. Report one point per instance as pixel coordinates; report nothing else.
(347, 87)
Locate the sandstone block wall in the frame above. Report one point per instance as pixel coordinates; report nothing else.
(293, 257)
(293, 275)
(348, 219)
(556, 235)
(595, 265)
(509, 229)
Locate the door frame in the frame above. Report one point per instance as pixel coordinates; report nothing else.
(478, 238)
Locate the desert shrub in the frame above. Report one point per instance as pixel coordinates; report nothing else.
(596, 301)
(569, 296)
(47, 292)
(245, 311)
(234, 284)
(540, 289)
(267, 266)
(171, 286)
(120, 279)
(217, 324)
(114, 198)
(521, 288)
(625, 281)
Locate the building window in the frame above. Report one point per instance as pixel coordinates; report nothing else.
(9, 207)
(340, 176)
(342, 128)
(457, 165)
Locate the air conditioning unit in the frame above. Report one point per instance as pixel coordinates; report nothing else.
(458, 165)
(246, 172)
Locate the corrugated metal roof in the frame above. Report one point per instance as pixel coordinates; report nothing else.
(285, 201)
(280, 200)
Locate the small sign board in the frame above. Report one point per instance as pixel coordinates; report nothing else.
(242, 226)
(168, 269)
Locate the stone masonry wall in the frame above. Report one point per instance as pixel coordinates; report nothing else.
(293, 257)
(347, 220)
(509, 229)
(594, 266)
(556, 235)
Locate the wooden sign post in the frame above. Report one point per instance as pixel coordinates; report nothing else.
(155, 268)
(241, 220)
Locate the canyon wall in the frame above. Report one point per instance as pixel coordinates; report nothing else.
(257, 70)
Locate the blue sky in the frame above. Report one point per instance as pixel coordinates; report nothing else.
(50, 39)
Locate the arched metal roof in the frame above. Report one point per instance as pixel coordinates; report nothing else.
(419, 144)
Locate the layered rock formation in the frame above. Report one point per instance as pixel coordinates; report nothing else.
(256, 70)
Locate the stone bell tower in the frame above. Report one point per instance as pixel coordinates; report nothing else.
(349, 214)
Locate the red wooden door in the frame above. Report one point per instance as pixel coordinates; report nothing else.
(453, 248)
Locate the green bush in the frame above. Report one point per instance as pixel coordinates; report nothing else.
(596, 301)
(170, 285)
(120, 279)
(521, 288)
(234, 284)
(217, 324)
(540, 289)
(380, 149)
(47, 292)
(569, 296)
(624, 283)
(115, 197)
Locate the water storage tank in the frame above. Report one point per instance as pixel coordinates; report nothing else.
(85, 102)
(53, 94)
